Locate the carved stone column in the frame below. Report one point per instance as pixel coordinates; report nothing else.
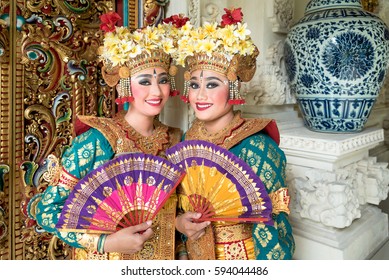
(335, 186)
(269, 24)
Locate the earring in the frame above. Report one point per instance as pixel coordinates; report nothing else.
(185, 95)
(173, 89)
(235, 97)
(125, 94)
(172, 80)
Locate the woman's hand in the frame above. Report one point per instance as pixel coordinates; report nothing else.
(129, 240)
(193, 230)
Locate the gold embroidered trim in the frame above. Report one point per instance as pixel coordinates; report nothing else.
(79, 254)
(234, 242)
(239, 129)
(239, 250)
(199, 132)
(108, 127)
(280, 200)
(232, 233)
(53, 172)
(97, 256)
(89, 241)
(160, 247)
(124, 139)
(152, 144)
(202, 248)
(67, 180)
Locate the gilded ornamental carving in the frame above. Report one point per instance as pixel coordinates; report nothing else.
(49, 64)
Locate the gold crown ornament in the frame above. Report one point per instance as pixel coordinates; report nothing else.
(226, 48)
(126, 52)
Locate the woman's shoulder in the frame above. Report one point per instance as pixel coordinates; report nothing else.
(91, 129)
(92, 135)
(265, 126)
(259, 137)
(84, 123)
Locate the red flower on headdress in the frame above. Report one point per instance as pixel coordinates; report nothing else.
(176, 20)
(108, 21)
(231, 16)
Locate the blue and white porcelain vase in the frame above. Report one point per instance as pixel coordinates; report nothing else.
(336, 59)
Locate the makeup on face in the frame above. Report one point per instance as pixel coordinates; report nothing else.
(151, 90)
(208, 90)
(146, 79)
(210, 82)
(208, 96)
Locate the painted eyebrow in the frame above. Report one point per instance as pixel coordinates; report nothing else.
(208, 79)
(141, 76)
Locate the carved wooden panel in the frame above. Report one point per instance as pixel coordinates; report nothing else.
(5, 211)
(49, 73)
(60, 77)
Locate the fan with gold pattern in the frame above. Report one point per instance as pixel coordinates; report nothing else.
(219, 184)
(125, 191)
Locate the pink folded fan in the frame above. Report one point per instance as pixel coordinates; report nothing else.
(125, 191)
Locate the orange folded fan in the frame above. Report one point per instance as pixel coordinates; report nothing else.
(219, 184)
(125, 191)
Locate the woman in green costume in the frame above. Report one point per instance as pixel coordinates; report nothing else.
(217, 63)
(138, 64)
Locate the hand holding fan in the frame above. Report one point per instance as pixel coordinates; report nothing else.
(220, 185)
(125, 191)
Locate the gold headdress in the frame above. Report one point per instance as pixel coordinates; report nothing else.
(226, 49)
(126, 52)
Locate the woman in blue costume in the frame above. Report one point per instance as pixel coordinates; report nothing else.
(138, 64)
(212, 88)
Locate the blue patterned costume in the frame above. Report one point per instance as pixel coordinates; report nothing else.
(101, 140)
(256, 142)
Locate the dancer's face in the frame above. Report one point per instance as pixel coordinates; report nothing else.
(209, 94)
(150, 89)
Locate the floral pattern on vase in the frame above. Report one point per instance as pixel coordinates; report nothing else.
(336, 59)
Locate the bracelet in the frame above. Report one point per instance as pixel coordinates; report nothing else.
(182, 253)
(181, 250)
(100, 243)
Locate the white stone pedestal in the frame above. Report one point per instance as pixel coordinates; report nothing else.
(314, 241)
(335, 186)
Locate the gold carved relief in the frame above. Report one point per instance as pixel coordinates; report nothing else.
(4, 169)
(49, 72)
(153, 11)
(5, 161)
(58, 46)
